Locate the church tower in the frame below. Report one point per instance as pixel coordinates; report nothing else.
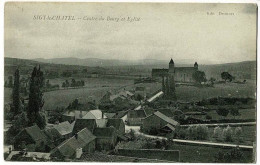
(171, 81)
(196, 66)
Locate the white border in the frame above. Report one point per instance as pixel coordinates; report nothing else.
(2, 2)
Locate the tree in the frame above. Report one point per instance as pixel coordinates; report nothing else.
(6, 84)
(73, 82)
(228, 134)
(234, 112)
(36, 101)
(10, 83)
(222, 112)
(226, 76)
(16, 105)
(199, 76)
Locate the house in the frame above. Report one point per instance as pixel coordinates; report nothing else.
(94, 114)
(158, 121)
(65, 129)
(106, 138)
(83, 141)
(121, 115)
(53, 135)
(109, 115)
(31, 138)
(134, 117)
(118, 124)
(80, 124)
(72, 115)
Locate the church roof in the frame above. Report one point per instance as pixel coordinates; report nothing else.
(171, 62)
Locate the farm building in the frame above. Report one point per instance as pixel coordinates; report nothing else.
(158, 121)
(106, 138)
(135, 117)
(72, 115)
(31, 138)
(83, 141)
(65, 129)
(121, 115)
(80, 124)
(94, 114)
(55, 138)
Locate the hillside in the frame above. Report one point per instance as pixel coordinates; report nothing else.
(26, 67)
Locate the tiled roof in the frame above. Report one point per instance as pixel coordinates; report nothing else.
(109, 115)
(36, 133)
(80, 124)
(104, 132)
(136, 114)
(69, 147)
(115, 123)
(120, 114)
(52, 133)
(94, 114)
(166, 118)
(64, 128)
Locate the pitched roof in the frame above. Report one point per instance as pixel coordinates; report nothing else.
(107, 132)
(52, 133)
(166, 118)
(115, 123)
(170, 127)
(69, 147)
(35, 133)
(136, 114)
(94, 114)
(75, 113)
(64, 128)
(167, 112)
(120, 114)
(80, 124)
(109, 115)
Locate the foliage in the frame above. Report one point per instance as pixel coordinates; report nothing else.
(10, 81)
(238, 134)
(16, 106)
(56, 115)
(198, 132)
(234, 156)
(226, 76)
(218, 133)
(35, 99)
(228, 134)
(222, 112)
(199, 76)
(234, 112)
(208, 117)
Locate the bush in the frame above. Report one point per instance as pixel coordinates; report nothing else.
(238, 133)
(218, 133)
(199, 132)
(228, 134)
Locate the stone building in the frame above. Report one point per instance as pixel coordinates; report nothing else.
(172, 75)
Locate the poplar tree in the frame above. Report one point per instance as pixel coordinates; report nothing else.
(35, 99)
(16, 109)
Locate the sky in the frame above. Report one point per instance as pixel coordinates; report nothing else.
(159, 31)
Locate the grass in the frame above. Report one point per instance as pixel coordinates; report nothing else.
(204, 154)
(191, 93)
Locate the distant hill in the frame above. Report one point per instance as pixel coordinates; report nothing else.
(241, 70)
(26, 66)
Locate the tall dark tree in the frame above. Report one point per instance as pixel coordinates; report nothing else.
(226, 76)
(16, 109)
(35, 99)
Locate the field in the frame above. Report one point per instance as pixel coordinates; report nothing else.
(191, 93)
(245, 114)
(248, 135)
(204, 154)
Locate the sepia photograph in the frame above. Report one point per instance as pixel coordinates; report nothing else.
(130, 82)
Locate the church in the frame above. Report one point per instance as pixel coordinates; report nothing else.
(181, 74)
